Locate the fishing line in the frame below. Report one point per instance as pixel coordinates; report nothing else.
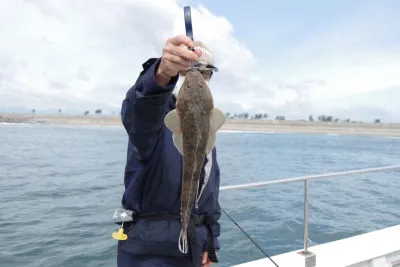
(241, 229)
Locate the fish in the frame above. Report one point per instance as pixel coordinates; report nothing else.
(193, 123)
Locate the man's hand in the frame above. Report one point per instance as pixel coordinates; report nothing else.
(205, 261)
(175, 58)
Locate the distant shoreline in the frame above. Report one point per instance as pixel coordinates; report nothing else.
(271, 126)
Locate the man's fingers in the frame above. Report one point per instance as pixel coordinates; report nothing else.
(205, 261)
(178, 60)
(207, 264)
(196, 50)
(171, 69)
(204, 258)
(180, 39)
(176, 66)
(177, 56)
(186, 53)
(181, 52)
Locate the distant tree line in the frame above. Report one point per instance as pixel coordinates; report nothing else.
(246, 116)
(97, 111)
(263, 116)
(257, 116)
(87, 112)
(332, 119)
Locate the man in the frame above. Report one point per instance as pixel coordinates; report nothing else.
(153, 171)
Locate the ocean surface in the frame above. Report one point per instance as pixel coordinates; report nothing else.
(59, 186)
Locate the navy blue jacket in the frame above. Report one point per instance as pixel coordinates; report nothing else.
(154, 169)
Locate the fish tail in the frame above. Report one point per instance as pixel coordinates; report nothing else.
(183, 241)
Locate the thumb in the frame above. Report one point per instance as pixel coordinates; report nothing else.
(204, 258)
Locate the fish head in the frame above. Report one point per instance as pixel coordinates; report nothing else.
(182, 76)
(194, 90)
(194, 77)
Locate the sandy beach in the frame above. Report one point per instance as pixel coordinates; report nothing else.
(272, 126)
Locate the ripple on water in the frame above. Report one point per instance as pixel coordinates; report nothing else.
(60, 186)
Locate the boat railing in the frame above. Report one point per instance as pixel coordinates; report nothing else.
(310, 257)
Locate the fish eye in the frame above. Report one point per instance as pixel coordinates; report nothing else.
(206, 74)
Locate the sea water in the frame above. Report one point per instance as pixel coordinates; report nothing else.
(59, 186)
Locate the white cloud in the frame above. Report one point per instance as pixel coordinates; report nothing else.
(86, 54)
(93, 50)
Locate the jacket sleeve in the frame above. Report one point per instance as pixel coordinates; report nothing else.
(143, 108)
(215, 226)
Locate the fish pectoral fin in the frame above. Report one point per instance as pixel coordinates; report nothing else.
(217, 119)
(178, 141)
(211, 142)
(173, 121)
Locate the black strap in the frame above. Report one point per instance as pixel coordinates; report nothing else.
(192, 237)
(199, 220)
(151, 216)
(212, 255)
(157, 216)
(188, 22)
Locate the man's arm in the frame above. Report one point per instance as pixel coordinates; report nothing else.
(143, 108)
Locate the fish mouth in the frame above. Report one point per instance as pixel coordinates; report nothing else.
(204, 66)
(207, 73)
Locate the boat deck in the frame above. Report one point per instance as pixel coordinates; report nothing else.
(375, 249)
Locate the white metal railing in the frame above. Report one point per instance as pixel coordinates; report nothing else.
(305, 179)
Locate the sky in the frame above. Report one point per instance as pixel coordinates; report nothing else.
(291, 58)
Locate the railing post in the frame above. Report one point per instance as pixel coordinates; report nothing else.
(305, 216)
(309, 257)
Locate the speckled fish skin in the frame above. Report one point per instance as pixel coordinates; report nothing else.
(194, 124)
(194, 105)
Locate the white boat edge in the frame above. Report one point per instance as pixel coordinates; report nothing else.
(379, 248)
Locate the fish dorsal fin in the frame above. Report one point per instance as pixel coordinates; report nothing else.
(173, 121)
(217, 119)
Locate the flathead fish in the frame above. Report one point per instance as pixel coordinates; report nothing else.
(194, 124)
